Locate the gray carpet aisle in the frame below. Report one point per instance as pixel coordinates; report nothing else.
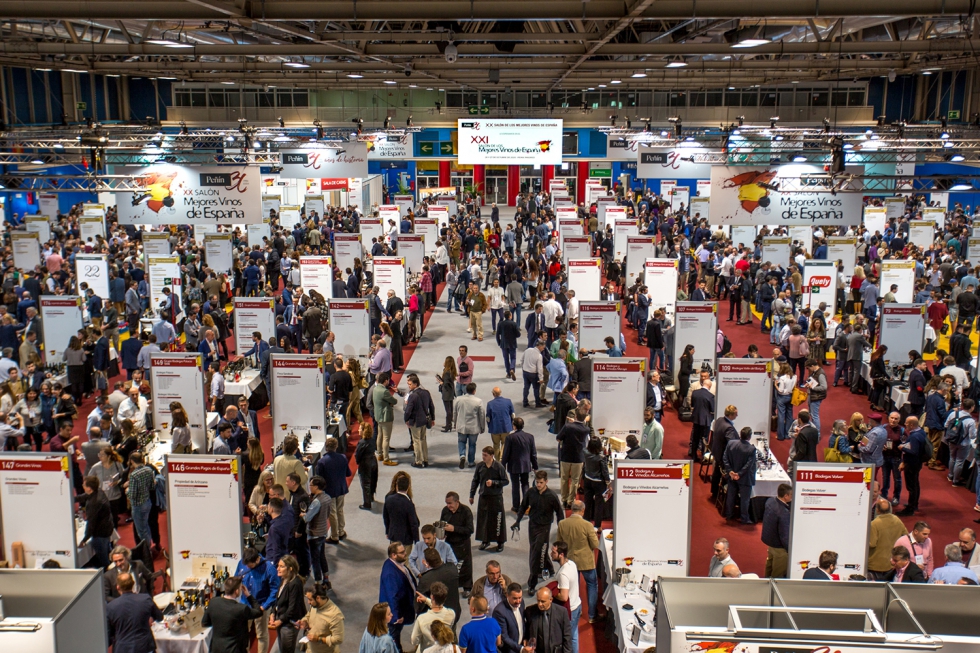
(356, 562)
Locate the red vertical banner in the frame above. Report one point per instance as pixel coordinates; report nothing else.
(513, 183)
(444, 167)
(547, 174)
(479, 177)
(583, 175)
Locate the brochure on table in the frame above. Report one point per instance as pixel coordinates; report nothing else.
(61, 319)
(830, 499)
(316, 273)
(93, 270)
(638, 250)
(744, 235)
(203, 488)
(90, 227)
(350, 321)
(921, 233)
(411, 247)
(623, 228)
(643, 544)
(162, 273)
(660, 277)
(903, 329)
(253, 314)
(696, 324)
(297, 396)
(429, 229)
(179, 377)
(39, 224)
(802, 237)
(585, 278)
(156, 244)
(876, 217)
(37, 507)
(347, 247)
(747, 384)
(27, 249)
(776, 251)
(371, 230)
(619, 395)
(901, 274)
(390, 274)
(597, 321)
(575, 247)
(218, 252)
(820, 285)
(844, 250)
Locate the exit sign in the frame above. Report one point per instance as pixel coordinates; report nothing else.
(953, 115)
(600, 172)
(81, 106)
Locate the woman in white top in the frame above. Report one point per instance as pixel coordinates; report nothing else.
(785, 383)
(496, 296)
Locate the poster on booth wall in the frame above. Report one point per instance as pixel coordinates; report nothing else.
(90, 228)
(325, 162)
(61, 319)
(198, 486)
(607, 211)
(259, 232)
(314, 203)
(680, 197)
(701, 208)
(921, 233)
(843, 249)
(48, 205)
(820, 285)
(747, 384)
(660, 277)
(350, 321)
(441, 214)
(894, 207)
(179, 194)
(568, 226)
(33, 485)
(450, 206)
(829, 499)
(202, 230)
(411, 247)
(575, 247)
(405, 203)
(372, 230)
(253, 314)
(623, 228)
(163, 272)
(93, 210)
(270, 203)
(93, 270)
(875, 219)
(802, 237)
(218, 252)
(667, 187)
(597, 321)
(289, 216)
(156, 244)
(428, 228)
(703, 189)
(355, 187)
(298, 398)
(697, 324)
(347, 247)
(27, 249)
(638, 250)
(389, 215)
(652, 547)
(775, 250)
(39, 224)
(743, 236)
(973, 247)
(901, 274)
(316, 274)
(179, 377)
(619, 395)
(903, 328)
(585, 278)
(935, 214)
(390, 274)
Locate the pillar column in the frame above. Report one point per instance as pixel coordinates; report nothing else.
(444, 168)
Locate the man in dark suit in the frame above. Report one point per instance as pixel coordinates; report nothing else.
(520, 458)
(700, 293)
(826, 568)
(400, 519)
(903, 569)
(510, 615)
(739, 463)
(702, 414)
(264, 359)
(398, 591)
(548, 625)
(122, 563)
(534, 323)
(247, 422)
(439, 572)
(128, 618)
(507, 333)
(228, 618)
(722, 432)
(129, 354)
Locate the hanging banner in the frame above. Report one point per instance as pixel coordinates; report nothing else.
(405, 203)
(652, 547)
(37, 508)
(163, 272)
(319, 162)
(901, 274)
(316, 274)
(178, 194)
(776, 251)
(623, 228)
(701, 208)
(372, 231)
(875, 219)
(620, 149)
(750, 195)
(383, 146)
(48, 204)
(179, 377)
(350, 321)
(441, 214)
(340, 184)
(90, 228)
(585, 278)
(843, 250)
(93, 270)
(27, 249)
(746, 384)
(61, 319)
(270, 204)
(289, 216)
(203, 487)
(660, 277)
(575, 247)
(820, 285)
(802, 237)
(903, 328)
(619, 396)
(260, 232)
(390, 274)
(39, 224)
(669, 163)
(314, 203)
(156, 244)
(347, 247)
(218, 252)
(921, 233)
(428, 228)
(697, 324)
(598, 321)
(638, 250)
(743, 236)
(894, 207)
(829, 499)
(298, 397)
(534, 141)
(253, 314)
(411, 247)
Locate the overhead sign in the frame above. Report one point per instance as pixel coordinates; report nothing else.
(253, 314)
(747, 384)
(37, 507)
(61, 320)
(175, 194)
(670, 163)
(179, 377)
(751, 195)
(619, 395)
(597, 321)
(495, 141)
(382, 146)
(329, 162)
(298, 397)
(341, 183)
(350, 321)
(619, 149)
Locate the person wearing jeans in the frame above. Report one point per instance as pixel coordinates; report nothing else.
(470, 419)
(138, 488)
(532, 367)
(818, 391)
(568, 586)
(260, 577)
(317, 520)
(785, 384)
(962, 424)
(582, 543)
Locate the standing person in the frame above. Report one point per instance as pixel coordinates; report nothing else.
(547, 626)
(476, 301)
(886, 528)
(470, 421)
(580, 537)
(398, 591)
(532, 369)
(775, 531)
(545, 508)
(260, 578)
(960, 432)
(500, 414)
(702, 415)
(595, 473)
(572, 440)
(376, 638)
(914, 455)
(317, 519)
(128, 618)
(919, 545)
(506, 334)
(490, 478)
(722, 433)
(228, 618)
(482, 633)
(510, 617)
(447, 389)
(324, 623)
(519, 458)
(383, 397)
(465, 366)
(459, 529)
(98, 521)
(568, 592)
(289, 607)
(365, 456)
(420, 415)
(299, 501)
(739, 463)
(400, 518)
(818, 392)
(140, 484)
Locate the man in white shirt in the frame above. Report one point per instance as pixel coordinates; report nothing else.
(720, 559)
(134, 408)
(217, 389)
(532, 367)
(568, 586)
(962, 380)
(552, 312)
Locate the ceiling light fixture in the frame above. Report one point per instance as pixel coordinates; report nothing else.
(615, 81)
(390, 81)
(297, 64)
(355, 76)
(638, 75)
(750, 43)
(677, 63)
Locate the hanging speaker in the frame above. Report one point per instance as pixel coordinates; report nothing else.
(495, 75)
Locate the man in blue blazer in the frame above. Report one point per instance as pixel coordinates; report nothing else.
(398, 591)
(129, 354)
(509, 615)
(500, 413)
(248, 421)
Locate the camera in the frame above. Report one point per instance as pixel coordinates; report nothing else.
(451, 53)
(408, 71)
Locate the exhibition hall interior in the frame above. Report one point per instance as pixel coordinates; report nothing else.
(471, 326)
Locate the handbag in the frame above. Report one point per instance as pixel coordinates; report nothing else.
(799, 396)
(832, 454)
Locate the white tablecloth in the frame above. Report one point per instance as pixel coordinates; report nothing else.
(615, 597)
(167, 643)
(767, 480)
(899, 396)
(246, 386)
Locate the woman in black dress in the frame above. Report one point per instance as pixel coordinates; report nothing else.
(395, 335)
(685, 371)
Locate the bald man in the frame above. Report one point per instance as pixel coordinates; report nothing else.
(731, 571)
(547, 625)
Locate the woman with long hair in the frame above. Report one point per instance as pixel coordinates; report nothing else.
(359, 383)
(785, 384)
(394, 483)
(253, 460)
(290, 605)
(7, 398)
(29, 408)
(879, 377)
(109, 470)
(394, 335)
(447, 388)
(180, 431)
(685, 370)
(259, 496)
(856, 428)
(443, 638)
(74, 357)
(376, 638)
(533, 274)
(817, 338)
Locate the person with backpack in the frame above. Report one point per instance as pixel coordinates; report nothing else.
(960, 433)
(936, 412)
(916, 450)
